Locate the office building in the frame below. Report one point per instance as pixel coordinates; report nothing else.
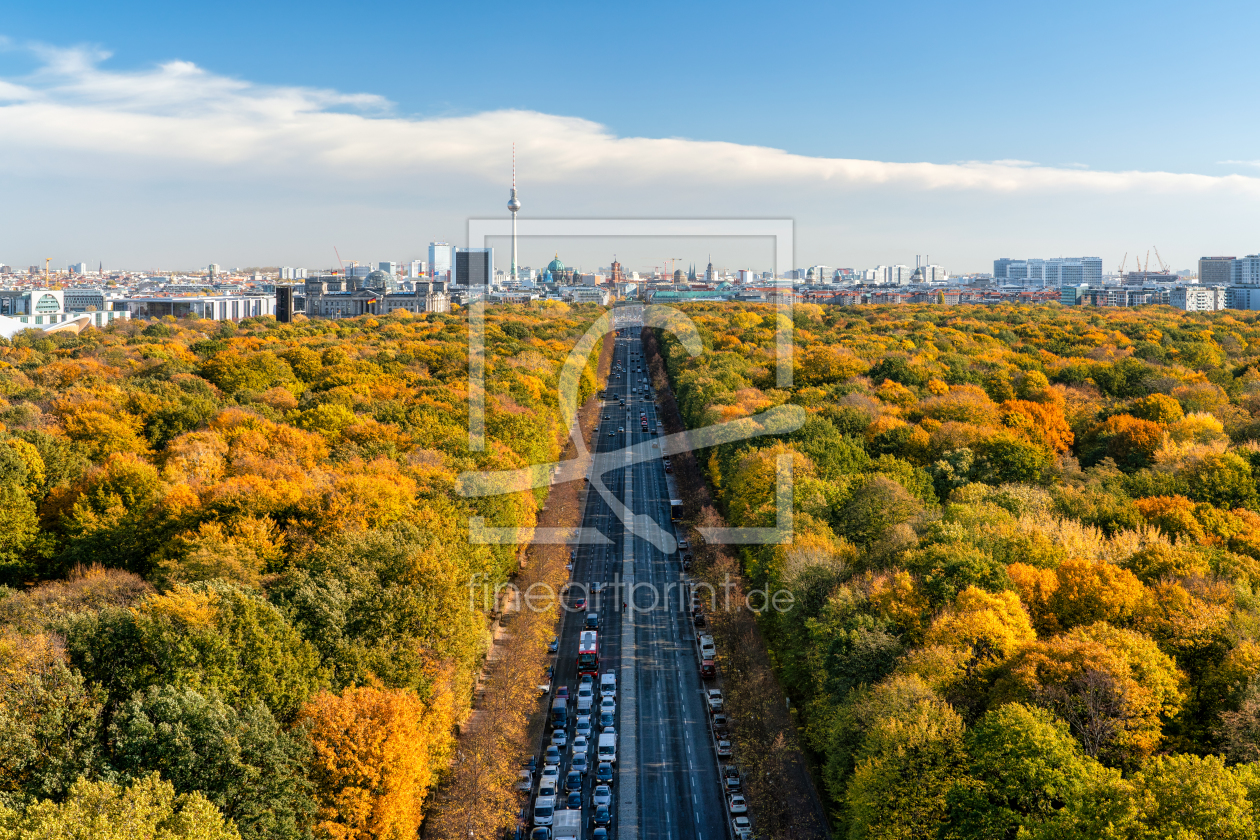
(1216, 271)
(440, 259)
(78, 268)
(212, 307)
(387, 267)
(1048, 273)
(473, 268)
(1198, 298)
(419, 268)
(1245, 271)
(359, 270)
(1242, 297)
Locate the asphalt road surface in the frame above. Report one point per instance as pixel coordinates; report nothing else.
(667, 784)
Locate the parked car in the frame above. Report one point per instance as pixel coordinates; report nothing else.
(724, 749)
(525, 781)
(553, 645)
(742, 826)
(730, 778)
(720, 724)
(714, 698)
(707, 671)
(737, 804)
(700, 621)
(544, 687)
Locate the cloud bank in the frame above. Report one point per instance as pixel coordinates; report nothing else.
(172, 127)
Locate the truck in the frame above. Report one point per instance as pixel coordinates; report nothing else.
(567, 825)
(675, 508)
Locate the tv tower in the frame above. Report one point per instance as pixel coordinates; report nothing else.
(514, 204)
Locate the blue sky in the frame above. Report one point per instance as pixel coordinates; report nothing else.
(1117, 88)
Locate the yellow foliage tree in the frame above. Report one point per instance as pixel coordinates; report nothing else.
(375, 755)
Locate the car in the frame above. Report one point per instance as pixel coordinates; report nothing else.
(580, 744)
(587, 679)
(669, 469)
(579, 763)
(600, 833)
(720, 724)
(724, 749)
(585, 690)
(683, 545)
(606, 721)
(525, 780)
(612, 433)
(552, 755)
(698, 619)
(737, 804)
(553, 645)
(559, 738)
(621, 429)
(544, 810)
(714, 697)
(550, 774)
(579, 605)
(573, 781)
(604, 772)
(608, 704)
(583, 726)
(742, 826)
(547, 787)
(574, 801)
(540, 832)
(607, 416)
(602, 795)
(562, 693)
(603, 816)
(730, 778)
(545, 686)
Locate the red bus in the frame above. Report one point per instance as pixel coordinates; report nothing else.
(588, 653)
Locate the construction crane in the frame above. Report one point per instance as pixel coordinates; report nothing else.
(1163, 268)
(339, 262)
(47, 260)
(1147, 265)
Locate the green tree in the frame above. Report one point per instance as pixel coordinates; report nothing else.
(206, 636)
(148, 809)
(1025, 767)
(49, 721)
(240, 760)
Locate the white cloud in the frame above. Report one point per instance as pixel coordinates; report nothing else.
(177, 165)
(177, 117)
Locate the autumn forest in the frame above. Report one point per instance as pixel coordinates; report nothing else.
(1025, 568)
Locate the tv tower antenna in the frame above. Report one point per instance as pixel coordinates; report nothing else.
(514, 204)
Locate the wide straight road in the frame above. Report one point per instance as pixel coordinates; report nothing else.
(667, 783)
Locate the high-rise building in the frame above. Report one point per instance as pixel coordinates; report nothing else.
(1198, 298)
(419, 268)
(440, 262)
(474, 267)
(78, 268)
(1245, 271)
(387, 267)
(1216, 270)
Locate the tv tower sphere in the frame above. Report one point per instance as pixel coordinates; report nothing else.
(514, 203)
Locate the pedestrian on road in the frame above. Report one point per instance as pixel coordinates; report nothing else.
(623, 606)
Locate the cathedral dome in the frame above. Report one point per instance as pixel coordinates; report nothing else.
(555, 266)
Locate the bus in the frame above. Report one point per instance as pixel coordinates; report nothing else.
(588, 653)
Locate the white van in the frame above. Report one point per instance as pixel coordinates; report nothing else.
(607, 747)
(608, 684)
(544, 810)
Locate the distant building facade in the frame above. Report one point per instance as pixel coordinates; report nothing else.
(1198, 298)
(1216, 271)
(474, 268)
